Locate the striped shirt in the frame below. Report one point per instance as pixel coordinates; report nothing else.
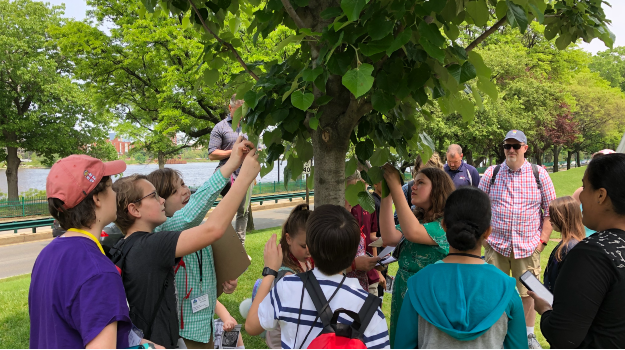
(518, 207)
(281, 307)
(197, 326)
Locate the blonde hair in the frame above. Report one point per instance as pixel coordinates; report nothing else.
(435, 162)
(567, 215)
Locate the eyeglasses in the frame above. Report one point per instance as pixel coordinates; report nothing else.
(516, 146)
(156, 196)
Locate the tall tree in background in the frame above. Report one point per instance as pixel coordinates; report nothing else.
(610, 64)
(364, 67)
(41, 109)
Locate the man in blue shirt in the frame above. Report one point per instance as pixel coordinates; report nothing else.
(460, 172)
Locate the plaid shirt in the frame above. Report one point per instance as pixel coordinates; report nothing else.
(197, 326)
(223, 138)
(518, 207)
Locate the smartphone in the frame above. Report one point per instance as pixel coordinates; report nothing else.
(532, 283)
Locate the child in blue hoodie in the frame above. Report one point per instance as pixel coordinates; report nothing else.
(461, 301)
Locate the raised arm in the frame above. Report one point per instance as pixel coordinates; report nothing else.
(390, 235)
(410, 225)
(196, 238)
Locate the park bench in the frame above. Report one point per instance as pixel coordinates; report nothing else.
(18, 225)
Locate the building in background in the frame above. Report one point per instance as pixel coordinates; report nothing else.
(121, 146)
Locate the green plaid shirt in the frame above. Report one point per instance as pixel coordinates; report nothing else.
(197, 326)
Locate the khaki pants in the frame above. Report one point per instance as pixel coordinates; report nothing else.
(192, 344)
(517, 266)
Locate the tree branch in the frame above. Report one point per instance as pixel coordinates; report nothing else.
(300, 24)
(200, 133)
(222, 42)
(488, 32)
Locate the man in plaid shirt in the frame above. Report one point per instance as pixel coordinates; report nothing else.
(220, 145)
(521, 226)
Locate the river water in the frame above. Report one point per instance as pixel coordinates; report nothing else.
(194, 174)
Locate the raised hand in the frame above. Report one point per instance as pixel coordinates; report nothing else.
(250, 167)
(273, 254)
(391, 175)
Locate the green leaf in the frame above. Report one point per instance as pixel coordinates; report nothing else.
(236, 117)
(382, 101)
(459, 52)
(451, 31)
(280, 115)
(149, 5)
(488, 87)
(251, 98)
(331, 12)
(380, 157)
(455, 70)
(481, 69)
(211, 76)
(352, 191)
(302, 100)
(501, 9)
(478, 11)
(216, 63)
(402, 39)
(359, 80)
(287, 176)
(427, 140)
(338, 42)
(312, 74)
(431, 33)
(517, 16)
(433, 50)
(310, 182)
(295, 39)
(465, 108)
(243, 88)
(350, 166)
(323, 100)
(291, 124)
(352, 8)
(313, 123)
(540, 15)
(234, 24)
(365, 199)
(376, 174)
(373, 47)
(385, 189)
(309, 32)
(297, 167)
(468, 72)
(379, 27)
(304, 149)
(266, 169)
(364, 149)
(563, 40)
(186, 21)
(551, 30)
(478, 99)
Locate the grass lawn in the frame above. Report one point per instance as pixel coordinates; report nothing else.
(14, 322)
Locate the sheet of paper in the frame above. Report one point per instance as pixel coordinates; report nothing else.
(377, 243)
(386, 261)
(386, 251)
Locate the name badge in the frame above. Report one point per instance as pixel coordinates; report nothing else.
(199, 303)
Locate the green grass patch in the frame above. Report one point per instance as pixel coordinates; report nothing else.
(566, 182)
(14, 320)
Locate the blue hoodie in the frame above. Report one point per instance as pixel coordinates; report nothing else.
(462, 300)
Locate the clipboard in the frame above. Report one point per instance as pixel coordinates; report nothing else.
(230, 258)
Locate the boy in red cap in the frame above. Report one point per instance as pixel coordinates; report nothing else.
(76, 297)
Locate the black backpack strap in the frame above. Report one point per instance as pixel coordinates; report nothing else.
(148, 332)
(367, 311)
(318, 298)
(494, 176)
(536, 176)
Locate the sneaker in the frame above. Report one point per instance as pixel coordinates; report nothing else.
(532, 342)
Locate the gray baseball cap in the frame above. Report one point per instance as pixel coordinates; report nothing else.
(516, 135)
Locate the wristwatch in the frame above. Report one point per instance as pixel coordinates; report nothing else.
(267, 271)
(543, 242)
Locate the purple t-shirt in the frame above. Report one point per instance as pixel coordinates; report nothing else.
(75, 292)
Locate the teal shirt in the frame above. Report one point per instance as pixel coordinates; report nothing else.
(196, 326)
(462, 300)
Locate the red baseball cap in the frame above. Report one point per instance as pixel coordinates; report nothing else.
(72, 178)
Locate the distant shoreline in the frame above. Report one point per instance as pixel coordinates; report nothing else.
(129, 162)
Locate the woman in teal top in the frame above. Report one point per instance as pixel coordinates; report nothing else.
(475, 305)
(419, 238)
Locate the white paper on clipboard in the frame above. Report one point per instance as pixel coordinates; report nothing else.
(386, 251)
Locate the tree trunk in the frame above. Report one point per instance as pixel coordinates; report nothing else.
(539, 157)
(556, 153)
(161, 160)
(441, 145)
(329, 168)
(13, 163)
(468, 154)
(579, 160)
(568, 160)
(479, 161)
(250, 219)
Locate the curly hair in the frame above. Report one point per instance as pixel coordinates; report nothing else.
(442, 187)
(127, 192)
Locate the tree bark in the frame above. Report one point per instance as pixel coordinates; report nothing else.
(556, 153)
(579, 160)
(568, 160)
(161, 160)
(469, 155)
(13, 163)
(329, 167)
(539, 158)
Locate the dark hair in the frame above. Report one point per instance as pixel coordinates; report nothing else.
(164, 180)
(467, 217)
(606, 172)
(127, 192)
(82, 215)
(332, 237)
(295, 223)
(442, 187)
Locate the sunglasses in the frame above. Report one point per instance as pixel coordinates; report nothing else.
(516, 146)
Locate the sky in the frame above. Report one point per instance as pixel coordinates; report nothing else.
(77, 8)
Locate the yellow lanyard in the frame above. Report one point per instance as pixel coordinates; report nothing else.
(90, 236)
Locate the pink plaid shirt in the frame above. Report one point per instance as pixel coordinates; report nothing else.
(518, 208)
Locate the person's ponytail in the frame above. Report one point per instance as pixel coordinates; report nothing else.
(467, 216)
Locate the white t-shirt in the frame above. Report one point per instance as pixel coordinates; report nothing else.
(281, 307)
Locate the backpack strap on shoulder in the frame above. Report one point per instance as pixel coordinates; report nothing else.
(494, 176)
(318, 298)
(536, 176)
(367, 311)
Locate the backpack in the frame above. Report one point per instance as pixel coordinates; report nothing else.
(534, 170)
(336, 335)
(118, 256)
